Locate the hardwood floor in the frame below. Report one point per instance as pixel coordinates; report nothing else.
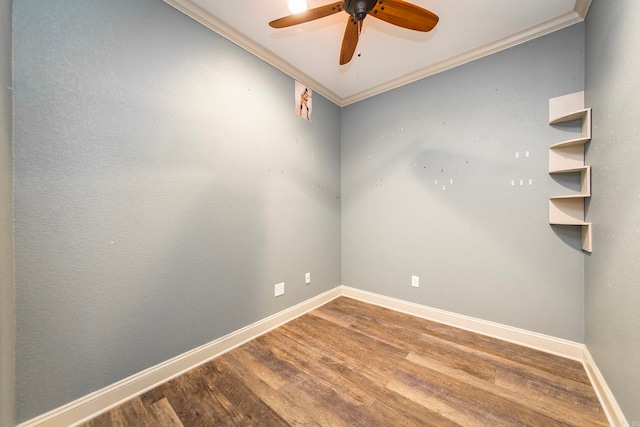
(353, 364)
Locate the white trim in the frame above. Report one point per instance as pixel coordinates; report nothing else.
(582, 8)
(548, 344)
(87, 407)
(614, 413)
(480, 52)
(91, 405)
(191, 9)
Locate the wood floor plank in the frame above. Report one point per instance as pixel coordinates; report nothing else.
(546, 362)
(275, 376)
(350, 337)
(288, 409)
(385, 406)
(395, 409)
(575, 404)
(192, 400)
(245, 407)
(540, 404)
(378, 369)
(122, 415)
(466, 395)
(433, 402)
(323, 369)
(266, 356)
(411, 341)
(164, 415)
(349, 363)
(326, 405)
(271, 377)
(509, 368)
(342, 319)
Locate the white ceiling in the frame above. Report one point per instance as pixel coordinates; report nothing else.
(390, 56)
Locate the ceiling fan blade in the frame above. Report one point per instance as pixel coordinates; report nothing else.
(406, 15)
(309, 15)
(349, 42)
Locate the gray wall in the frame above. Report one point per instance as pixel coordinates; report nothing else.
(481, 246)
(6, 224)
(612, 271)
(163, 186)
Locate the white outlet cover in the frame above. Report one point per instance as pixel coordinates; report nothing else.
(415, 281)
(307, 278)
(279, 289)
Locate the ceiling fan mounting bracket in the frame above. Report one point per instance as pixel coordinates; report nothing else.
(359, 8)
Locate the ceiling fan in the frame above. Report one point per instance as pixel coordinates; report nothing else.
(396, 12)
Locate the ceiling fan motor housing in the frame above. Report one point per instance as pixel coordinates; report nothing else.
(359, 8)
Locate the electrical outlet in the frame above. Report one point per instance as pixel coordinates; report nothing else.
(307, 278)
(415, 281)
(279, 289)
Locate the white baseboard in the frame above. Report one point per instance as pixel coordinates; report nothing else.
(93, 404)
(89, 406)
(607, 400)
(560, 347)
(548, 344)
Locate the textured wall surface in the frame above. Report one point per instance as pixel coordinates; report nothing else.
(163, 187)
(6, 224)
(612, 271)
(435, 183)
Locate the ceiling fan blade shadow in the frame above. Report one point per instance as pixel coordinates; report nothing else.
(405, 15)
(349, 41)
(309, 15)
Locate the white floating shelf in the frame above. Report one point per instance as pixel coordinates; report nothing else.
(578, 141)
(568, 157)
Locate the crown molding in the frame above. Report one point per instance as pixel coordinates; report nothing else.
(205, 18)
(486, 50)
(582, 8)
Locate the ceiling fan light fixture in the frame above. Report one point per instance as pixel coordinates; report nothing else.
(400, 13)
(297, 6)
